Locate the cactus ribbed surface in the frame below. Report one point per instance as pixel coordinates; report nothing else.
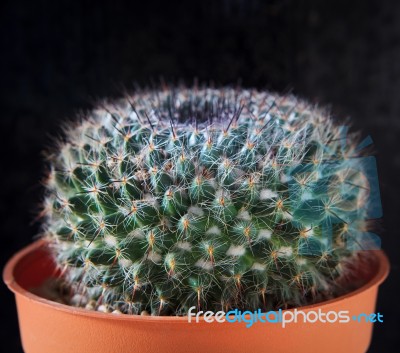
(213, 198)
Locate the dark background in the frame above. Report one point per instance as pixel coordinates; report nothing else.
(56, 56)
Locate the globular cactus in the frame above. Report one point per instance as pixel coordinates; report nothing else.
(213, 198)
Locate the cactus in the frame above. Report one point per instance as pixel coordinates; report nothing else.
(213, 198)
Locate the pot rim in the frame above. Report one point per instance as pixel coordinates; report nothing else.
(12, 283)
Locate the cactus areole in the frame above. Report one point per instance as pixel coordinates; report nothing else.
(213, 198)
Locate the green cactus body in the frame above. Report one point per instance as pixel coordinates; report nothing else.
(213, 198)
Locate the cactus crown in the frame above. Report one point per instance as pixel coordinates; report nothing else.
(213, 198)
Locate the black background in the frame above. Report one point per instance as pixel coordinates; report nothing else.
(56, 56)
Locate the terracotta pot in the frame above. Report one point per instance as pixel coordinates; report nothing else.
(50, 327)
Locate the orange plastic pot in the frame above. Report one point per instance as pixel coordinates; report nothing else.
(50, 327)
